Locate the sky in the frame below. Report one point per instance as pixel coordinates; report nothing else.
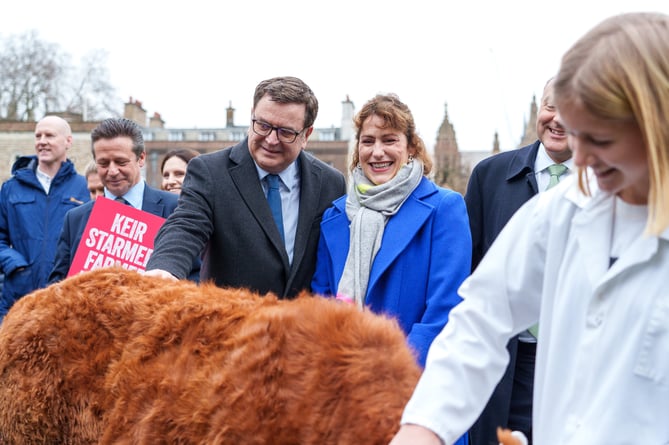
(482, 61)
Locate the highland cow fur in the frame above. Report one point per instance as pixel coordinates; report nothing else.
(113, 357)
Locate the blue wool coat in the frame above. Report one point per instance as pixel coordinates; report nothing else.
(425, 255)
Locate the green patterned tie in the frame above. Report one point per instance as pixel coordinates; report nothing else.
(555, 170)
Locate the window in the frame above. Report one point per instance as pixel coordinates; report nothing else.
(206, 136)
(326, 135)
(176, 136)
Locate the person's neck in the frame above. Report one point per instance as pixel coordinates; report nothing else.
(559, 158)
(50, 168)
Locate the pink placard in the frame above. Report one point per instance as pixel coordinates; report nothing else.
(116, 234)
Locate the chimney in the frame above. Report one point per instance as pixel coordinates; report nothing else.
(230, 116)
(156, 121)
(347, 109)
(133, 110)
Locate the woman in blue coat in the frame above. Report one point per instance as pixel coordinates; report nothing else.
(397, 244)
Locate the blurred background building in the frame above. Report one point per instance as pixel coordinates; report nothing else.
(332, 145)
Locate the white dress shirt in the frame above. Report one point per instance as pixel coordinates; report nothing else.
(541, 164)
(134, 196)
(289, 188)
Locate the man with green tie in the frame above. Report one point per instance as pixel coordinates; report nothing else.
(499, 186)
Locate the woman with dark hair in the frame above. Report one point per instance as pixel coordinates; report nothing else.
(173, 168)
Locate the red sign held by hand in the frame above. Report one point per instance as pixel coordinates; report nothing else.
(116, 235)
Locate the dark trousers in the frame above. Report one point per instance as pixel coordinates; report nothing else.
(510, 405)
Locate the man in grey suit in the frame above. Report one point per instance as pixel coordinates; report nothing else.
(118, 150)
(224, 210)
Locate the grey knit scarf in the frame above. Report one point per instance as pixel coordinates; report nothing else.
(368, 207)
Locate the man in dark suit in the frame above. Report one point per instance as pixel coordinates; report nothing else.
(499, 186)
(224, 209)
(118, 151)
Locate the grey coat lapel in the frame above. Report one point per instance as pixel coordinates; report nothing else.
(245, 177)
(310, 191)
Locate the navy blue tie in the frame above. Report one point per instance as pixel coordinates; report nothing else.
(122, 200)
(274, 200)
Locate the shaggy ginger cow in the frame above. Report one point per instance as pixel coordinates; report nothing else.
(111, 356)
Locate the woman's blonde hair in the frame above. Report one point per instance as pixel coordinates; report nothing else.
(395, 115)
(619, 71)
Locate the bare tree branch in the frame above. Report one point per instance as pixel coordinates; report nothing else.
(38, 78)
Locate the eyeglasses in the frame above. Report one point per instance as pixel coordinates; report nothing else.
(285, 135)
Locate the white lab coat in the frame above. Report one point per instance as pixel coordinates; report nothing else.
(602, 373)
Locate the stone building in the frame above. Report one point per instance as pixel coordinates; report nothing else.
(328, 144)
(448, 166)
(530, 131)
(453, 167)
(331, 145)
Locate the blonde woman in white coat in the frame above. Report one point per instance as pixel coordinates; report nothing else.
(588, 260)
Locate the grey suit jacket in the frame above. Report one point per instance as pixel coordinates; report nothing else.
(223, 210)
